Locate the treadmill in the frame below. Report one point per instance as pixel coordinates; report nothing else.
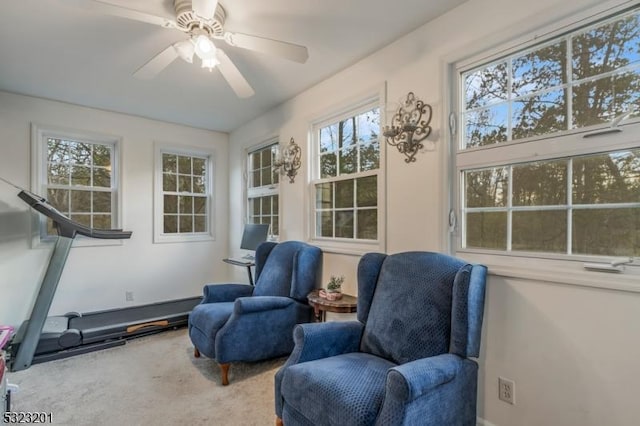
(43, 338)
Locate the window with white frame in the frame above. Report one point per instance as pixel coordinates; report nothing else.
(347, 187)
(76, 172)
(184, 195)
(548, 158)
(263, 188)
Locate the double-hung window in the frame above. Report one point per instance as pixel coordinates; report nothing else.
(183, 196)
(263, 187)
(77, 173)
(347, 185)
(548, 153)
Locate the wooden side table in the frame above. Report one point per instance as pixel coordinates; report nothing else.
(348, 304)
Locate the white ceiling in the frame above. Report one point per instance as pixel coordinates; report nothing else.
(56, 50)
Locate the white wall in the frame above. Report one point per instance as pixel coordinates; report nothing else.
(97, 278)
(572, 351)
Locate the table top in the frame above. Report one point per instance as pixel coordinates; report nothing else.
(347, 301)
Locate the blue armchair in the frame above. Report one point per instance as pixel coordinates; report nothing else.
(243, 323)
(404, 361)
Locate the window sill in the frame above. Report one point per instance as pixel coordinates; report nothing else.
(557, 272)
(347, 248)
(162, 239)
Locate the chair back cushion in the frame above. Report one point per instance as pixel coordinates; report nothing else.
(410, 314)
(290, 269)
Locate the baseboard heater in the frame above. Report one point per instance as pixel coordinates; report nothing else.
(74, 333)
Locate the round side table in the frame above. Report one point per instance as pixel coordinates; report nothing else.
(347, 304)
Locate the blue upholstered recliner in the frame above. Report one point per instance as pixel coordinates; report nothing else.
(240, 322)
(404, 361)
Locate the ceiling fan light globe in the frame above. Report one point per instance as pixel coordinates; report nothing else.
(210, 63)
(185, 50)
(204, 47)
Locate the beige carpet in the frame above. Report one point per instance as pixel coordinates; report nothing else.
(153, 380)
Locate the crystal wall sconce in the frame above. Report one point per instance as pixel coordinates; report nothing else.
(409, 127)
(289, 161)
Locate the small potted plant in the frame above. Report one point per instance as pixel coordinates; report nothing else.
(334, 286)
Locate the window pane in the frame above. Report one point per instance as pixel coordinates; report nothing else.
(348, 160)
(346, 132)
(199, 166)
(266, 205)
(254, 160)
(324, 196)
(274, 226)
(81, 175)
(275, 204)
(486, 188)
(169, 163)
(186, 204)
(607, 178)
(184, 183)
(368, 126)
(325, 224)
(540, 183)
(369, 156)
(486, 126)
(266, 176)
(171, 204)
(199, 205)
(82, 219)
(544, 231)
(169, 182)
(57, 150)
(486, 86)
(344, 194)
(255, 178)
(200, 224)
(328, 167)
(344, 224)
(539, 114)
(199, 185)
(186, 223)
(606, 47)
(57, 174)
(329, 138)
(254, 206)
(80, 201)
(367, 224)
(59, 198)
(486, 230)
(102, 177)
(266, 158)
(102, 221)
(101, 155)
(80, 153)
(184, 165)
(101, 202)
(170, 224)
(367, 191)
(540, 69)
(609, 232)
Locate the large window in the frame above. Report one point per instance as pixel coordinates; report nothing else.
(347, 184)
(549, 153)
(263, 185)
(76, 173)
(183, 203)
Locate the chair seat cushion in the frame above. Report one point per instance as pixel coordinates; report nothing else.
(346, 389)
(204, 322)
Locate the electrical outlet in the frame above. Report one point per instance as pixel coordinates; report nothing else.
(507, 390)
(128, 296)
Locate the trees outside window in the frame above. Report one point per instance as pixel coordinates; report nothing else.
(530, 181)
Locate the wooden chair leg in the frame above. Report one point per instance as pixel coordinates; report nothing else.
(224, 369)
(279, 421)
(196, 353)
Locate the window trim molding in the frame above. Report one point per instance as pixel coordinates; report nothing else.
(502, 263)
(39, 171)
(374, 97)
(158, 149)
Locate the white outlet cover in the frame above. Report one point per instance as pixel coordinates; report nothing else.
(507, 390)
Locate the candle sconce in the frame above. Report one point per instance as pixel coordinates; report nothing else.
(289, 161)
(409, 127)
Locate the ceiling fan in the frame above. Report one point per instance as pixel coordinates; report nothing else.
(203, 21)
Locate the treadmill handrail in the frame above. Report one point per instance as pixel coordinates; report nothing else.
(67, 227)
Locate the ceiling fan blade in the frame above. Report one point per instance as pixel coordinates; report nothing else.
(293, 52)
(123, 12)
(204, 8)
(233, 76)
(157, 63)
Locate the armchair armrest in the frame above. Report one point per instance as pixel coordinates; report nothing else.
(412, 380)
(247, 305)
(214, 293)
(322, 340)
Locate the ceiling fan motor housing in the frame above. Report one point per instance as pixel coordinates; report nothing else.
(188, 21)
